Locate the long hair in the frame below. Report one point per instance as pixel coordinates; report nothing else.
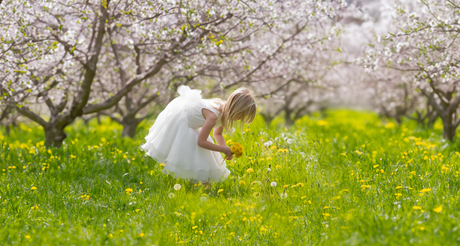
(240, 105)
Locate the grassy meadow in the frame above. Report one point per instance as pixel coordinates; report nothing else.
(345, 179)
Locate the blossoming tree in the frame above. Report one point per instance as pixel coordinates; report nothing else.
(83, 57)
(423, 45)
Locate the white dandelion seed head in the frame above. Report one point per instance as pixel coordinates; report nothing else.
(177, 186)
(283, 195)
(171, 195)
(289, 141)
(203, 199)
(273, 184)
(268, 144)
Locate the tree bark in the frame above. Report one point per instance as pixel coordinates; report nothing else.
(129, 124)
(288, 117)
(54, 135)
(449, 127)
(431, 120)
(447, 111)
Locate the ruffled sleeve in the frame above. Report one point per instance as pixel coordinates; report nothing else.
(210, 105)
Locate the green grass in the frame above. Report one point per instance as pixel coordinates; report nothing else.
(350, 179)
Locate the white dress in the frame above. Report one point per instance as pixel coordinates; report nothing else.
(173, 140)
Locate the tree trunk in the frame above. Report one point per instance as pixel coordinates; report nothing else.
(449, 127)
(54, 136)
(288, 117)
(130, 124)
(267, 118)
(99, 122)
(431, 120)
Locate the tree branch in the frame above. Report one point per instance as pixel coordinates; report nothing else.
(145, 103)
(82, 98)
(125, 90)
(31, 115)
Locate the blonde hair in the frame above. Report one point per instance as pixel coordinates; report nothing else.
(240, 105)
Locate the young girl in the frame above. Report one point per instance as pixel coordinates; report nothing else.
(180, 135)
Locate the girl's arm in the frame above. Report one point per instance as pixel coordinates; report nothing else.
(203, 142)
(218, 136)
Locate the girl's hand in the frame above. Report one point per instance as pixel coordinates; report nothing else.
(228, 153)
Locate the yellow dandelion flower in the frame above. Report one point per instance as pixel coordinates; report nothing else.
(363, 187)
(250, 170)
(438, 209)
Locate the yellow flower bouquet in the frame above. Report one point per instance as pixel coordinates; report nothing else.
(237, 150)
